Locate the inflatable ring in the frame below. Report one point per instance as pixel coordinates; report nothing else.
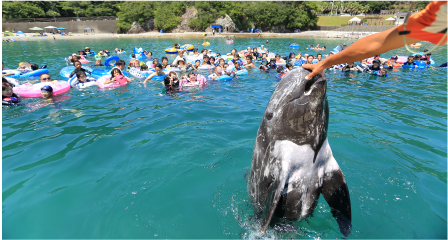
(159, 77)
(100, 72)
(28, 90)
(35, 73)
(187, 47)
(294, 46)
(16, 73)
(139, 74)
(91, 53)
(14, 81)
(206, 44)
(92, 82)
(241, 72)
(65, 72)
(224, 78)
(229, 41)
(101, 80)
(171, 50)
(109, 59)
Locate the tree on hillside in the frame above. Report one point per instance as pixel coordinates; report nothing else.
(134, 12)
(77, 7)
(168, 15)
(16, 9)
(53, 13)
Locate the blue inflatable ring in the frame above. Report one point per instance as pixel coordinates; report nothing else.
(109, 59)
(224, 78)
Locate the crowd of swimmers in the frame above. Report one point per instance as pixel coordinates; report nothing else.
(217, 65)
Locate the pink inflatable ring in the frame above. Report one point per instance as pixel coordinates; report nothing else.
(33, 90)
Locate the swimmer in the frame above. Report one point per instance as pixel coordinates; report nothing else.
(117, 76)
(288, 67)
(81, 79)
(78, 67)
(237, 66)
(236, 58)
(171, 81)
(382, 72)
(221, 62)
(212, 62)
(97, 62)
(47, 93)
(206, 60)
(8, 96)
(45, 77)
(319, 57)
(144, 68)
(159, 71)
(410, 62)
(309, 59)
(375, 66)
(249, 63)
(349, 67)
(218, 72)
(393, 62)
(165, 63)
(233, 52)
(197, 63)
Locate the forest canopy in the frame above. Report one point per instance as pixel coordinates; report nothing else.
(167, 15)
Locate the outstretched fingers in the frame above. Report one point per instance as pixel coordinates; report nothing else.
(315, 69)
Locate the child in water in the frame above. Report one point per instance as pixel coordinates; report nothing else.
(117, 76)
(78, 67)
(159, 71)
(47, 93)
(171, 81)
(8, 97)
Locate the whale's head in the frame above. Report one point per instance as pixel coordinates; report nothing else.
(298, 111)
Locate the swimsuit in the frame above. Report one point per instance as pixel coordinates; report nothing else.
(429, 24)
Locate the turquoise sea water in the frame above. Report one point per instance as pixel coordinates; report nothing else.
(132, 162)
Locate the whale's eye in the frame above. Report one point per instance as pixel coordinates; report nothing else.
(269, 116)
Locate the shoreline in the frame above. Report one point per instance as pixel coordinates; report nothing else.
(196, 35)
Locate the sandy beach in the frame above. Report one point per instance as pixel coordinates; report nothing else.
(186, 35)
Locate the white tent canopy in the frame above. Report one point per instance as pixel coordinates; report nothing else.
(50, 27)
(390, 19)
(355, 19)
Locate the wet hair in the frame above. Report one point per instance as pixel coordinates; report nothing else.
(6, 85)
(418, 56)
(205, 56)
(197, 60)
(318, 55)
(376, 61)
(112, 72)
(132, 55)
(143, 67)
(164, 58)
(277, 55)
(250, 57)
(195, 50)
(288, 65)
(149, 52)
(203, 50)
(77, 62)
(214, 59)
(172, 73)
(280, 69)
(309, 56)
(34, 67)
(80, 73)
(324, 47)
(158, 65)
(378, 55)
(120, 63)
(40, 76)
(236, 55)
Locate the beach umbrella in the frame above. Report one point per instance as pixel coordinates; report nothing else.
(88, 29)
(61, 28)
(390, 19)
(36, 29)
(50, 27)
(355, 19)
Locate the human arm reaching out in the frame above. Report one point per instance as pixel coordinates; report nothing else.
(427, 25)
(361, 49)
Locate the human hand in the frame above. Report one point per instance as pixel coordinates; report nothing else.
(315, 69)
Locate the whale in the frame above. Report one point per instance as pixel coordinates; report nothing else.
(292, 162)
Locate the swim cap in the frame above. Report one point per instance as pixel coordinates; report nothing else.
(47, 88)
(394, 57)
(97, 57)
(376, 61)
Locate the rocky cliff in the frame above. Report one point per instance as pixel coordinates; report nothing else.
(185, 19)
(227, 24)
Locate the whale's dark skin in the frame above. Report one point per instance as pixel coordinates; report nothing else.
(292, 162)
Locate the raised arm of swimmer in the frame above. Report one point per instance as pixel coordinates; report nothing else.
(427, 25)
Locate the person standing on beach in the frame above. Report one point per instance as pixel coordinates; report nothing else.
(427, 25)
(213, 31)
